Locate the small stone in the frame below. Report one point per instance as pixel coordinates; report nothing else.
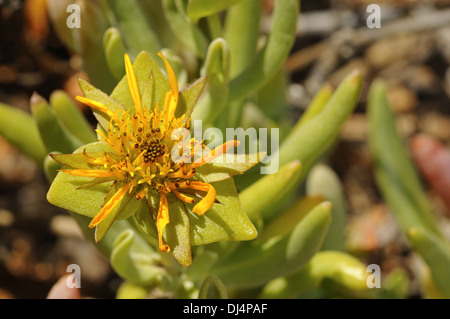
(402, 99)
(6, 218)
(436, 125)
(65, 226)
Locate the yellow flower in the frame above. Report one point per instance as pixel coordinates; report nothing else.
(140, 162)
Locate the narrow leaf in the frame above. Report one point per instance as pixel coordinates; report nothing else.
(252, 265)
(20, 129)
(52, 132)
(71, 117)
(135, 260)
(212, 288)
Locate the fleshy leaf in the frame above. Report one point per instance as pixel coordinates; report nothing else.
(24, 136)
(316, 106)
(64, 191)
(144, 66)
(269, 60)
(54, 135)
(93, 93)
(189, 97)
(77, 160)
(71, 117)
(337, 266)
(114, 51)
(436, 254)
(323, 181)
(226, 221)
(228, 165)
(143, 219)
(212, 288)
(131, 20)
(217, 68)
(135, 260)
(186, 32)
(286, 221)
(178, 232)
(203, 8)
(396, 176)
(263, 196)
(127, 207)
(255, 263)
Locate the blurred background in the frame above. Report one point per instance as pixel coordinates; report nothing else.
(411, 51)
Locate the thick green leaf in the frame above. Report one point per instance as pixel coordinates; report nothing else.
(144, 67)
(78, 160)
(127, 207)
(216, 68)
(189, 97)
(54, 135)
(184, 29)
(228, 166)
(394, 170)
(269, 60)
(242, 28)
(51, 168)
(130, 290)
(142, 220)
(203, 8)
(71, 117)
(308, 142)
(253, 264)
(20, 129)
(323, 181)
(93, 24)
(225, 221)
(64, 191)
(114, 52)
(131, 20)
(135, 260)
(177, 232)
(95, 94)
(316, 106)
(436, 254)
(212, 288)
(337, 266)
(263, 197)
(273, 97)
(286, 221)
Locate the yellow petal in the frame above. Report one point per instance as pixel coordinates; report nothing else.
(171, 100)
(109, 206)
(88, 172)
(132, 85)
(162, 220)
(99, 161)
(216, 152)
(183, 197)
(171, 75)
(207, 202)
(95, 105)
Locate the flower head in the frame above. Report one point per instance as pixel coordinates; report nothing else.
(141, 162)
